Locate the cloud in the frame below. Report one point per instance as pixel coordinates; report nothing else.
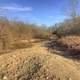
(51, 17)
(15, 8)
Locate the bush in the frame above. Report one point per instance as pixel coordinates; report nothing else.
(69, 27)
(17, 30)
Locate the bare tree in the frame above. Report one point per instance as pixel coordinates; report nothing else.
(70, 8)
(74, 8)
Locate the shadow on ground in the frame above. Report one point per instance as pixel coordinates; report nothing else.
(55, 48)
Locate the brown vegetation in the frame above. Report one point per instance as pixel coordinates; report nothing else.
(69, 32)
(13, 32)
(71, 43)
(68, 27)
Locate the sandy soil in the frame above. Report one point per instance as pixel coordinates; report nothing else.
(37, 63)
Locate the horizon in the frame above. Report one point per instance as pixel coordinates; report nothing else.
(40, 12)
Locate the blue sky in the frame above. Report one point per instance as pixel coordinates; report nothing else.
(46, 12)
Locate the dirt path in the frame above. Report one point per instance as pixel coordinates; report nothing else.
(37, 63)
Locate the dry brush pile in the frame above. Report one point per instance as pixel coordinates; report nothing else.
(70, 43)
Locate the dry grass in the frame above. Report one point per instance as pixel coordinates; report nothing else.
(21, 45)
(17, 30)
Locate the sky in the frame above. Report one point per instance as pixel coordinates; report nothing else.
(47, 12)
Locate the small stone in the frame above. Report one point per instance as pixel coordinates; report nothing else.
(5, 78)
(3, 65)
(70, 79)
(47, 78)
(14, 56)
